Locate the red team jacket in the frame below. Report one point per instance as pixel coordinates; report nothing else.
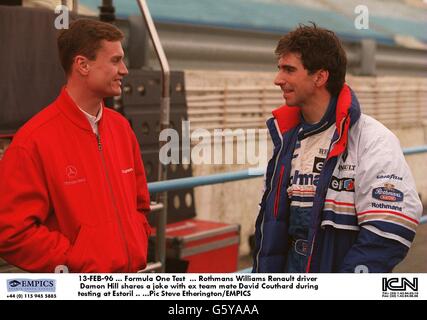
(70, 197)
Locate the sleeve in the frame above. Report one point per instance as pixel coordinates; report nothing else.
(25, 241)
(387, 205)
(143, 196)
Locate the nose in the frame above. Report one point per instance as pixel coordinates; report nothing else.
(279, 80)
(123, 70)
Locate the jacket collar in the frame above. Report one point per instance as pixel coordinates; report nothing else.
(346, 114)
(69, 108)
(326, 122)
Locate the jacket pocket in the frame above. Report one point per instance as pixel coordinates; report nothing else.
(141, 235)
(77, 253)
(98, 249)
(278, 189)
(144, 223)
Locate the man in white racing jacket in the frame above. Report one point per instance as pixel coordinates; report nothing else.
(339, 195)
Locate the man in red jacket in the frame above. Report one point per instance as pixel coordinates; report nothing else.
(73, 190)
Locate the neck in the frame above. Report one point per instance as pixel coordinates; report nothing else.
(85, 100)
(314, 111)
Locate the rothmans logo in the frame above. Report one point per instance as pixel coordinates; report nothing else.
(387, 193)
(31, 285)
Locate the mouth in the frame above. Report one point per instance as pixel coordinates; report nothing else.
(118, 81)
(287, 93)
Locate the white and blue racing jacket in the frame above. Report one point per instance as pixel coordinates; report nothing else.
(365, 208)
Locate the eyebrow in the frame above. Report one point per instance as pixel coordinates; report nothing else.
(119, 56)
(286, 66)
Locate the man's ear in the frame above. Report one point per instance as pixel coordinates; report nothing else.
(321, 78)
(81, 65)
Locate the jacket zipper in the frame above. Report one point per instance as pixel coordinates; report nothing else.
(279, 187)
(116, 210)
(322, 193)
(315, 131)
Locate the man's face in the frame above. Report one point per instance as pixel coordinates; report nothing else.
(297, 85)
(107, 70)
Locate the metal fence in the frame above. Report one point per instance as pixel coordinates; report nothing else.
(227, 100)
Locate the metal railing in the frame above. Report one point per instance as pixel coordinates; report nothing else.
(414, 150)
(191, 182)
(161, 197)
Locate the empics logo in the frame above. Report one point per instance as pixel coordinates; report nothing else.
(31, 285)
(400, 287)
(14, 283)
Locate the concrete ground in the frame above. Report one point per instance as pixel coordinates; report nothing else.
(415, 261)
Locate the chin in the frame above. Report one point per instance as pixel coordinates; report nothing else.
(114, 93)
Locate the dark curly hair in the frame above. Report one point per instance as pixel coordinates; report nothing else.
(320, 49)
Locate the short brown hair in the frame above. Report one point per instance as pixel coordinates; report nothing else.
(84, 38)
(320, 49)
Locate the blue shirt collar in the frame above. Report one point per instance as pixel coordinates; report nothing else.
(327, 120)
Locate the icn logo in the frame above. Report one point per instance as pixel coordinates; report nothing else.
(396, 284)
(400, 287)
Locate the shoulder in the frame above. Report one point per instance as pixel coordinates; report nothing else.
(118, 123)
(372, 132)
(37, 126)
(116, 118)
